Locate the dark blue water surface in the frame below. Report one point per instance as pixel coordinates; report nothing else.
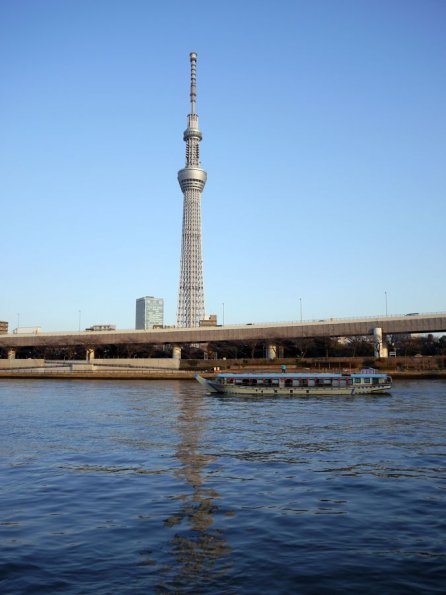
(156, 487)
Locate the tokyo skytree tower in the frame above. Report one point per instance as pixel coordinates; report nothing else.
(192, 180)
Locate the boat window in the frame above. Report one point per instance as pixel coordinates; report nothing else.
(335, 382)
(342, 383)
(367, 380)
(288, 382)
(311, 382)
(327, 381)
(357, 380)
(375, 380)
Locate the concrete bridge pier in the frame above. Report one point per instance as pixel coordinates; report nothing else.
(11, 353)
(271, 351)
(176, 351)
(380, 350)
(90, 354)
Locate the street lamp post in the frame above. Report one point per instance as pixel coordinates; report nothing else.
(385, 293)
(301, 330)
(223, 319)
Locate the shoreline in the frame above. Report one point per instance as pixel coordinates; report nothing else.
(152, 374)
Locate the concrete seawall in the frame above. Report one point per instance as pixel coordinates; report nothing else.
(33, 373)
(108, 368)
(137, 369)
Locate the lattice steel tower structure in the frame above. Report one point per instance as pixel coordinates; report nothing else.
(192, 179)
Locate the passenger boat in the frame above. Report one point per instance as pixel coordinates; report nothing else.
(364, 383)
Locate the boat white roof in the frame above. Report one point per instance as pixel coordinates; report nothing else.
(299, 375)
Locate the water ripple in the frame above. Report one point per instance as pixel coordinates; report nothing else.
(155, 487)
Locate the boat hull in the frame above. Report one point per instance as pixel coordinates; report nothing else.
(276, 391)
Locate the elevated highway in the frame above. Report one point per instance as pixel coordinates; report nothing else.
(269, 332)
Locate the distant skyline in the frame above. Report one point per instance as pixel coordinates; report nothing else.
(324, 140)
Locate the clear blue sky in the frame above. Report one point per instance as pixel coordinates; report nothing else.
(324, 139)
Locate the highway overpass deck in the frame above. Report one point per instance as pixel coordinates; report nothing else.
(332, 327)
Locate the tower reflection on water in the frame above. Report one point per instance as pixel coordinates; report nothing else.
(199, 549)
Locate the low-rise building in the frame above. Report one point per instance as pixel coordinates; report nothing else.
(211, 321)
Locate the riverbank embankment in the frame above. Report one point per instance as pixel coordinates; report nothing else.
(169, 369)
(108, 369)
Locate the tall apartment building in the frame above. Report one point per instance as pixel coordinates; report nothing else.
(149, 312)
(3, 327)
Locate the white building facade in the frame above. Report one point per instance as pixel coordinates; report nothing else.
(149, 312)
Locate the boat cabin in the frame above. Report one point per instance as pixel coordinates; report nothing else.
(302, 380)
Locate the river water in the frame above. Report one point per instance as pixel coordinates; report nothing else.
(157, 487)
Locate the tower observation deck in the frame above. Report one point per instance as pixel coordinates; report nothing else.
(192, 179)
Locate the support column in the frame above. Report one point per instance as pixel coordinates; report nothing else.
(11, 353)
(271, 351)
(90, 354)
(380, 350)
(176, 351)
